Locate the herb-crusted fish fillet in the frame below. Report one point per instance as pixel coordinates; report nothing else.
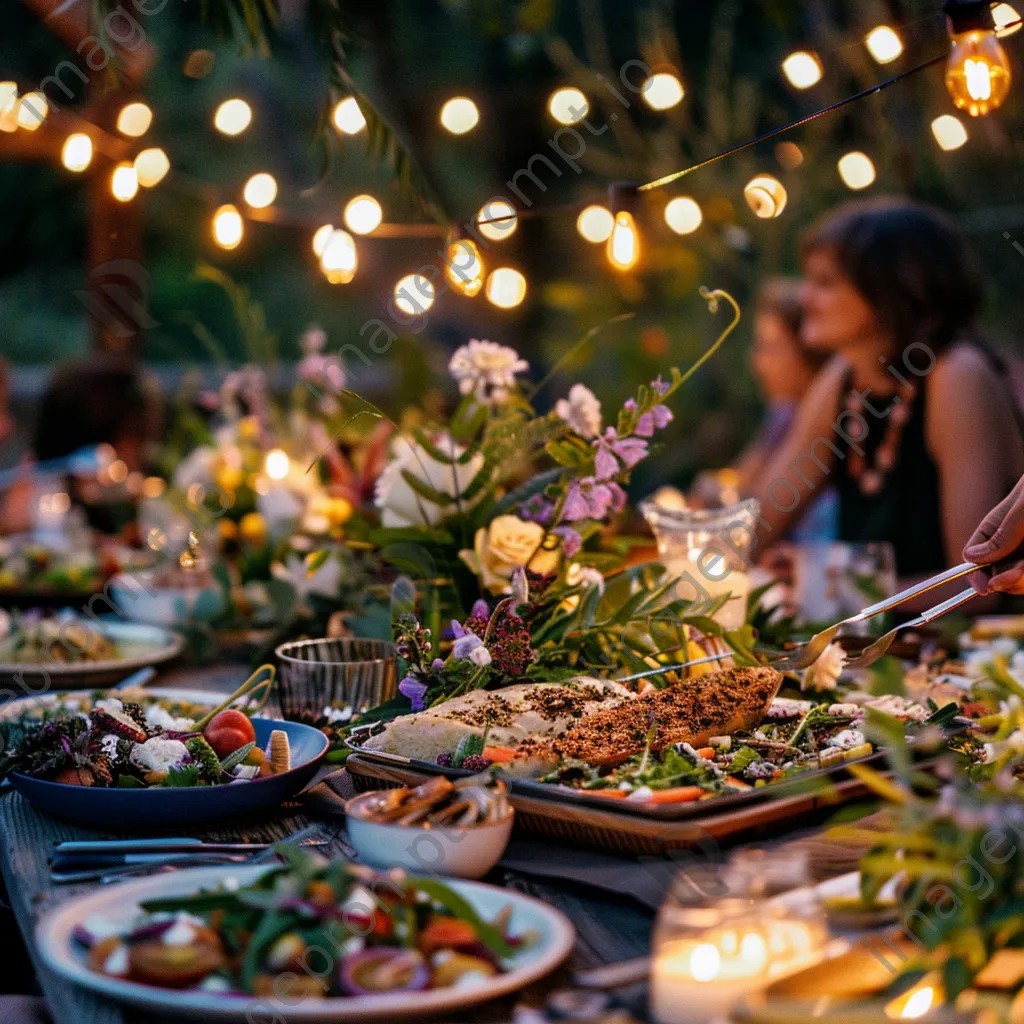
(717, 704)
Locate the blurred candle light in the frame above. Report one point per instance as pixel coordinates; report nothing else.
(802, 69)
(414, 294)
(232, 117)
(76, 153)
(32, 110)
(856, 170)
(277, 464)
(497, 220)
(928, 994)
(134, 119)
(949, 132)
(8, 96)
(568, 105)
(883, 44)
(153, 487)
(662, 91)
(124, 184)
(228, 227)
(766, 196)
(789, 154)
(338, 260)
(260, 190)
(363, 215)
(347, 117)
(460, 115)
(595, 224)
(1007, 20)
(624, 242)
(151, 165)
(464, 268)
(320, 238)
(506, 287)
(683, 215)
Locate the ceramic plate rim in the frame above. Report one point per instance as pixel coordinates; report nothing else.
(54, 941)
(205, 698)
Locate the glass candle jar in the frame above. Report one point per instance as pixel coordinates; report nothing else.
(708, 551)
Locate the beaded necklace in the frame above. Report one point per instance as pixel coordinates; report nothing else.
(870, 475)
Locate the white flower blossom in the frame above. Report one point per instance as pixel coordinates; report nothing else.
(486, 370)
(480, 656)
(825, 672)
(581, 410)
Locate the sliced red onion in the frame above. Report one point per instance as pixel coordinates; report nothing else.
(397, 962)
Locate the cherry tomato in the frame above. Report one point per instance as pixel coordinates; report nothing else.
(227, 731)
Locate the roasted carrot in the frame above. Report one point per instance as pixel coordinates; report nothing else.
(676, 795)
(706, 752)
(446, 933)
(731, 780)
(499, 755)
(609, 794)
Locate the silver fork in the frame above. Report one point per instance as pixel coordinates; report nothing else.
(876, 650)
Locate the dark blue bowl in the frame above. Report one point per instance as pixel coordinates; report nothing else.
(127, 809)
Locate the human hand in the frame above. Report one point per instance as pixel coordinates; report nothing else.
(1000, 538)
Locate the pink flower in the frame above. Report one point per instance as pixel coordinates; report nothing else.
(588, 498)
(629, 449)
(657, 419)
(659, 386)
(571, 540)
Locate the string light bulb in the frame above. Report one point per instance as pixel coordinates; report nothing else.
(1006, 19)
(497, 220)
(856, 170)
(124, 183)
(228, 227)
(459, 115)
(134, 119)
(883, 44)
(76, 153)
(683, 215)
(321, 237)
(338, 260)
(802, 69)
(8, 106)
(32, 110)
(949, 132)
(568, 105)
(506, 287)
(662, 91)
(151, 165)
(595, 224)
(232, 117)
(766, 196)
(260, 190)
(363, 215)
(623, 246)
(464, 267)
(414, 294)
(977, 71)
(347, 117)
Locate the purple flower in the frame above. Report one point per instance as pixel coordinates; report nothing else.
(520, 588)
(480, 609)
(466, 645)
(629, 405)
(536, 509)
(659, 386)
(657, 419)
(571, 540)
(589, 499)
(436, 665)
(415, 691)
(629, 449)
(457, 630)
(618, 497)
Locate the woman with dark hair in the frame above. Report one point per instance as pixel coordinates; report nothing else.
(912, 421)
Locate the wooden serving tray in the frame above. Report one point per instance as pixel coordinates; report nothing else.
(631, 834)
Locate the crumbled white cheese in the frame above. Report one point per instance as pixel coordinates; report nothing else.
(335, 715)
(824, 673)
(899, 707)
(179, 934)
(844, 709)
(245, 771)
(641, 793)
(353, 944)
(157, 755)
(109, 745)
(471, 979)
(160, 718)
(720, 742)
(117, 962)
(846, 740)
(786, 707)
(109, 704)
(215, 983)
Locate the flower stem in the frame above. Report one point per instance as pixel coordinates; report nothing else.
(263, 676)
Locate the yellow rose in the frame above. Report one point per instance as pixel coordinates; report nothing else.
(506, 545)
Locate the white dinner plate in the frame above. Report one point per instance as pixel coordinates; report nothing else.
(64, 955)
(14, 709)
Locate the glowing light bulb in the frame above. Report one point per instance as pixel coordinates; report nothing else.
(918, 1004)
(1006, 19)
(949, 132)
(76, 153)
(977, 72)
(595, 224)
(766, 196)
(506, 287)
(497, 220)
(464, 268)
(134, 119)
(228, 227)
(363, 215)
(568, 105)
(260, 190)
(338, 260)
(414, 294)
(624, 242)
(124, 184)
(662, 91)
(151, 165)
(705, 961)
(277, 464)
(789, 154)
(321, 237)
(883, 44)
(856, 170)
(232, 117)
(802, 69)
(683, 215)
(32, 110)
(8, 96)
(460, 115)
(347, 117)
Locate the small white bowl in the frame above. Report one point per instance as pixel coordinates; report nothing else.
(457, 852)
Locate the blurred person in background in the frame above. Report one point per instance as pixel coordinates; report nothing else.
(912, 421)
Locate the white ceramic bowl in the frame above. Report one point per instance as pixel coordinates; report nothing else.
(457, 852)
(161, 606)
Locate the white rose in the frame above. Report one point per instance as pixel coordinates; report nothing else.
(400, 505)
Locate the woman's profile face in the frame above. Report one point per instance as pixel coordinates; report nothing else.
(776, 358)
(836, 315)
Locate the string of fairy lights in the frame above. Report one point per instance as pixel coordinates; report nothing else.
(977, 77)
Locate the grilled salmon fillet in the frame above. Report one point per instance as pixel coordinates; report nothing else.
(692, 711)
